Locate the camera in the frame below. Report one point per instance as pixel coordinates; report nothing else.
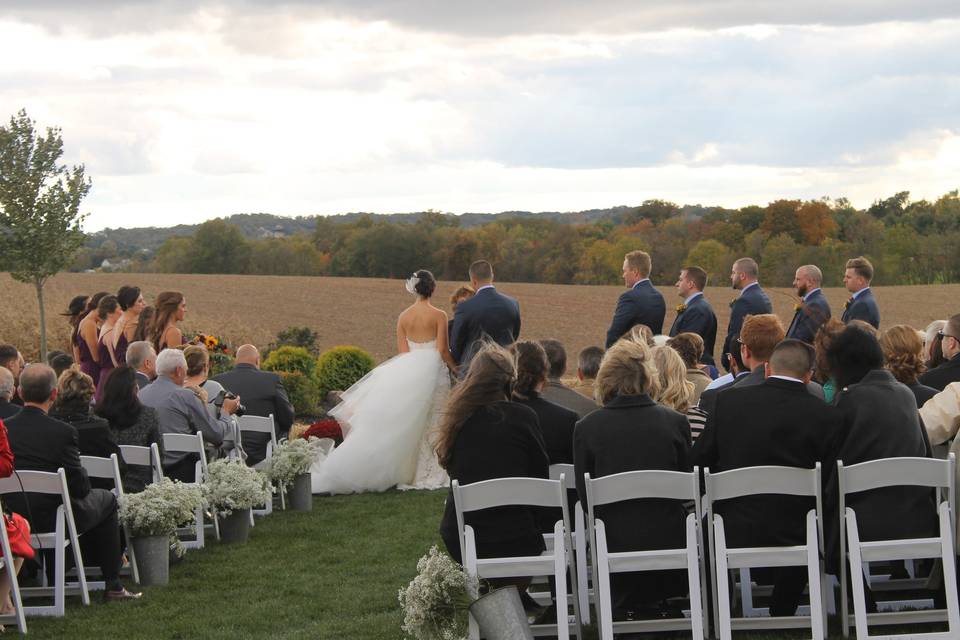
(227, 395)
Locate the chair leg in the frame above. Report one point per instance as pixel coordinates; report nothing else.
(132, 556)
(856, 580)
(693, 579)
(949, 569)
(601, 584)
(722, 578)
(560, 575)
(813, 578)
(60, 572)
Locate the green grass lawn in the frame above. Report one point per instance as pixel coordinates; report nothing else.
(329, 574)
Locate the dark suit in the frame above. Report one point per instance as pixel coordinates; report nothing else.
(487, 315)
(755, 377)
(555, 391)
(751, 302)
(863, 307)
(8, 409)
(41, 443)
(556, 427)
(880, 420)
(633, 433)
(262, 393)
(813, 313)
(501, 440)
(642, 304)
(142, 379)
(940, 377)
(700, 319)
(775, 423)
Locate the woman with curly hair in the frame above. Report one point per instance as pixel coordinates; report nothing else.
(821, 343)
(903, 357)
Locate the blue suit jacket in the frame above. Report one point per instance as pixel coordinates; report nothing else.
(752, 302)
(700, 319)
(642, 304)
(813, 313)
(487, 315)
(863, 308)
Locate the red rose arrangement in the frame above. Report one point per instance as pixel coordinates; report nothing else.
(328, 428)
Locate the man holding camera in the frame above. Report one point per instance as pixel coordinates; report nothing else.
(263, 394)
(182, 412)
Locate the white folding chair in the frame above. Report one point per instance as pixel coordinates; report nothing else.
(17, 617)
(143, 457)
(634, 485)
(766, 480)
(579, 539)
(260, 424)
(64, 535)
(109, 469)
(892, 472)
(193, 443)
(532, 492)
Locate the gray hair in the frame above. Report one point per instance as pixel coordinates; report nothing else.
(813, 272)
(748, 267)
(138, 353)
(169, 361)
(6, 384)
(37, 383)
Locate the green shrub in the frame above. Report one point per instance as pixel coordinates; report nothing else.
(340, 367)
(302, 391)
(298, 337)
(220, 363)
(291, 359)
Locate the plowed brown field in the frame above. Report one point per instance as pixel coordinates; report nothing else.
(363, 311)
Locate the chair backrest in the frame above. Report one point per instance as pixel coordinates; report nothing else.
(260, 424)
(136, 455)
(104, 468)
(897, 472)
(189, 443)
(45, 482)
(751, 481)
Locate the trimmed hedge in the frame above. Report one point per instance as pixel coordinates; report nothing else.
(291, 359)
(302, 391)
(340, 367)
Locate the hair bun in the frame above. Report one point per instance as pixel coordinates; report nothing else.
(426, 283)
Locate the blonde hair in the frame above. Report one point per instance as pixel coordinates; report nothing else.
(627, 369)
(903, 353)
(640, 261)
(639, 333)
(676, 391)
(75, 390)
(197, 358)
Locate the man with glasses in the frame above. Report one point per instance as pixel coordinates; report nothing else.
(949, 371)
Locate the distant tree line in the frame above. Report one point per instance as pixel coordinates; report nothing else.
(908, 242)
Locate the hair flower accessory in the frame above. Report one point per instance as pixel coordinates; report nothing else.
(412, 283)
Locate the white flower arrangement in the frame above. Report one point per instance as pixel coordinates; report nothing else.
(293, 457)
(436, 601)
(160, 508)
(411, 284)
(233, 485)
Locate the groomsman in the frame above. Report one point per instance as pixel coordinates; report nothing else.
(813, 310)
(488, 315)
(861, 305)
(752, 301)
(642, 304)
(695, 315)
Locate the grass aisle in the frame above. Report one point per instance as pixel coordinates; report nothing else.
(332, 573)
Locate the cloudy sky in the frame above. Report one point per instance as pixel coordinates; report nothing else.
(184, 110)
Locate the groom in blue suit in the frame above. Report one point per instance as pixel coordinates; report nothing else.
(861, 305)
(813, 310)
(641, 304)
(488, 315)
(695, 315)
(751, 302)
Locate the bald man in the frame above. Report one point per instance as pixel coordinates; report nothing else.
(813, 310)
(263, 395)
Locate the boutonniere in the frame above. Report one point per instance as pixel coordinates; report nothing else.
(846, 305)
(797, 307)
(733, 302)
(681, 308)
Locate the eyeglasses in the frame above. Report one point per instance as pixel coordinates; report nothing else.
(947, 335)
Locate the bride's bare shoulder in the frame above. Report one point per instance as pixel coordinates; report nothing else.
(439, 313)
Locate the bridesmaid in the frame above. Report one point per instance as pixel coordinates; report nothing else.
(75, 312)
(88, 347)
(171, 307)
(131, 302)
(144, 324)
(110, 312)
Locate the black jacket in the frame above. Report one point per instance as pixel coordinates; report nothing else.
(808, 319)
(94, 438)
(487, 315)
(708, 399)
(864, 307)
(940, 377)
(8, 409)
(775, 423)
(262, 393)
(751, 302)
(642, 304)
(556, 426)
(700, 319)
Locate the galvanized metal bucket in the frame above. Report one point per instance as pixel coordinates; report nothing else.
(500, 615)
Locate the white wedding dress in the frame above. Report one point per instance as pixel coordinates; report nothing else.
(388, 419)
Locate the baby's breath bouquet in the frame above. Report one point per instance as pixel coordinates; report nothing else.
(160, 508)
(230, 485)
(436, 601)
(292, 458)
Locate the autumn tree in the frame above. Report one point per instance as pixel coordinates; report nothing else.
(815, 219)
(40, 219)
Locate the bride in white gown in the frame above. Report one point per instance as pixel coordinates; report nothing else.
(389, 415)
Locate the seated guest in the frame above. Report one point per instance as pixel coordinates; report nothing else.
(11, 360)
(483, 435)
(557, 392)
(903, 357)
(737, 368)
(774, 423)
(180, 411)
(462, 293)
(933, 344)
(588, 364)
(143, 359)
(263, 394)
(821, 344)
(941, 415)
(130, 422)
(879, 420)
(632, 432)
(8, 387)
(42, 443)
(556, 423)
(198, 370)
(18, 530)
(949, 371)
(676, 391)
(640, 333)
(75, 391)
(690, 348)
(60, 363)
